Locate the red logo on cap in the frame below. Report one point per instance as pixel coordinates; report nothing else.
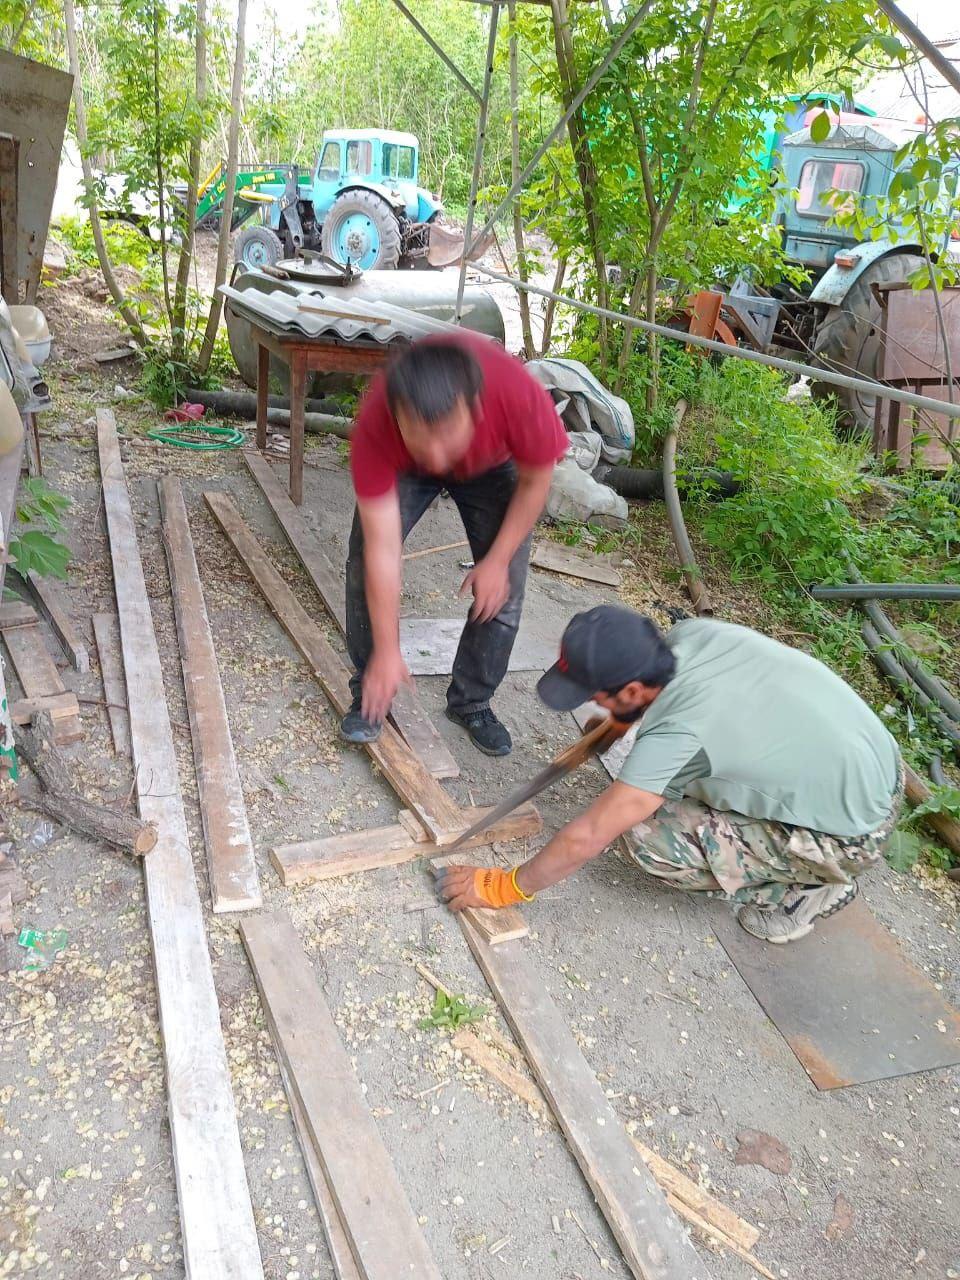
(562, 663)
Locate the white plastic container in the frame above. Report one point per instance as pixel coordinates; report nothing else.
(31, 326)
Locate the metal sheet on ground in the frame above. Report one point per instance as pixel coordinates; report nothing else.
(429, 646)
(846, 999)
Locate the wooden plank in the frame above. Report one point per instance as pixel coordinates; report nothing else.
(405, 772)
(341, 1255)
(560, 559)
(39, 676)
(58, 706)
(230, 859)
(429, 646)
(16, 613)
(650, 1236)
(106, 632)
(52, 603)
(218, 1233)
(9, 218)
(376, 1214)
(342, 855)
(408, 715)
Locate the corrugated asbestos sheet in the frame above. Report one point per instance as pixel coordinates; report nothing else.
(307, 314)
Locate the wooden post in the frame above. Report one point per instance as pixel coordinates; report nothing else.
(9, 218)
(298, 392)
(263, 389)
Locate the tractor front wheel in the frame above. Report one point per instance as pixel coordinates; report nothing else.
(258, 247)
(848, 340)
(361, 228)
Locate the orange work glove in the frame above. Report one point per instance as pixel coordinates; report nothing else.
(480, 887)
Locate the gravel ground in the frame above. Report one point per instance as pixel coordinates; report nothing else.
(687, 1057)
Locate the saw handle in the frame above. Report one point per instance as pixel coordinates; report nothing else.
(600, 735)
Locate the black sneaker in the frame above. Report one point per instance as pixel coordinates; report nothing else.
(354, 728)
(486, 732)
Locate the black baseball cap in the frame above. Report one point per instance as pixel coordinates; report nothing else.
(602, 650)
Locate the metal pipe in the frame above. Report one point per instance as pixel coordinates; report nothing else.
(441, 53)
(898, 677)
(477, 158)
(887, 591)
(937, 776)
(688, 561)
(870, 385)
(921, 43)
(590, 84)
(911, 663)
(240, 406)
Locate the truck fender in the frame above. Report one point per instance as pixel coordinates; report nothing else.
(835, 283)
(393, 198)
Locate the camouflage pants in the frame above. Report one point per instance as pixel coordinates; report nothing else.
(727, 855)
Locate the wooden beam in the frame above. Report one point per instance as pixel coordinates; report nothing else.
(313, 860)
(39, 676)
(16, 613)
(218, 1233)
(58, 706)
(650, 1236)
(407, 713)
(52, 605)
(230, 860)
(106, 632)
(417, 788)
(10, 218)
(379, 1222)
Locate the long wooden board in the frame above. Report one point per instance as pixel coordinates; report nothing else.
(341, 1255)
(408, 714)
(313, 860)
(16, 613)
(52, 603)
(39, 676)
(106, 632)
(650, 1236)
(233, 872)
(405, 772)
(216, 1217)
(379, 1222)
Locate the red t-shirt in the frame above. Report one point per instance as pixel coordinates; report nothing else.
(513, 417)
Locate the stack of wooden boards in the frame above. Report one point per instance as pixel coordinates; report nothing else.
(370, 1237)
(39, 678)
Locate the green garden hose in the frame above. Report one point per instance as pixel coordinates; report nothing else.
(220, 437)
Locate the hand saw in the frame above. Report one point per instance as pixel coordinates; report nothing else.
(597, 739)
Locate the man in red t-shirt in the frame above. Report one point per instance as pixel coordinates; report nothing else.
(453, 413)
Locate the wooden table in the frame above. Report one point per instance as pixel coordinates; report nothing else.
(305, 355)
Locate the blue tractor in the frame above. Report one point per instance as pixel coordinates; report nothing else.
(361, 205)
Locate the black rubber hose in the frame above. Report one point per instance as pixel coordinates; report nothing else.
(641, 482)
(688, 561)
(887, 591)
(318, 418)
(898, 677)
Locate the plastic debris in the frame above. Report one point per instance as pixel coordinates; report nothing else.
(43, 946)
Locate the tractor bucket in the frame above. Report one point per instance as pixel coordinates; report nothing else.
(445, 246)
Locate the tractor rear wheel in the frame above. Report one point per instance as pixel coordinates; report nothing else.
(258, 247)
(362, 228)
(848, 340)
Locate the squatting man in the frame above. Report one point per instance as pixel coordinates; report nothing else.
(757, 774)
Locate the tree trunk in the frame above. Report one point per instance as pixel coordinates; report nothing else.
(653, 343)
(550, 309)
(585, 168)
(522, 297)
(58, 798)
(158, 163)
(233, 152)
(79, 106)
(179, 325)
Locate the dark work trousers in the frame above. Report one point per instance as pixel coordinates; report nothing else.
(485, 647)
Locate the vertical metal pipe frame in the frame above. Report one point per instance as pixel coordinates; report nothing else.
(477, 156)
(441, 54)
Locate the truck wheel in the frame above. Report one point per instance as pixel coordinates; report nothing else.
(258, 247)
(362, 228)
(848, 340)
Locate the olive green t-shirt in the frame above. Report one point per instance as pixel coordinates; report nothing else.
(751, 726)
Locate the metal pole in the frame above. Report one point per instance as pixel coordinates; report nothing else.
(921, 43)
(870, 385)
(589, 85)
(477, 158)
(441, 54)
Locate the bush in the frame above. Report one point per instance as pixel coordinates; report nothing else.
(125, 244)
